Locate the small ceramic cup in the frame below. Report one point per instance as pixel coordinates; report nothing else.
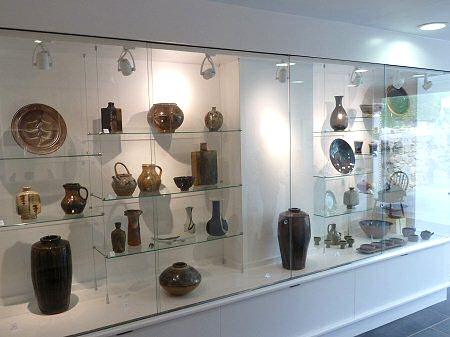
(413, 238)
(317, 240)
(327, 243)
(407, 231)
(373, 147)
(343, 243)
(350, 242)
(358, 146)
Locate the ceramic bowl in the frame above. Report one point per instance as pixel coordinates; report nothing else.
(407, 231)
(413, 238)
(184, 183)
(370, 109)
(375, 228)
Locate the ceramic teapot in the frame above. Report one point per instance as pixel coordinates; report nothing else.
(333, 234)
(123, 184)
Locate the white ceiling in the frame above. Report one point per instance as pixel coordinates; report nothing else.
(396, 15)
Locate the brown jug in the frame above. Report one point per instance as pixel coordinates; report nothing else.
(149, 180)
(123, 184)
(73, 202)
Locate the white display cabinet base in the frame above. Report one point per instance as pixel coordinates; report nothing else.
(343, 301)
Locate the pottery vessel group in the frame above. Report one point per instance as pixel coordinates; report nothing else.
(28, 203)
(51, 273)
(294, 234)
(179, 279)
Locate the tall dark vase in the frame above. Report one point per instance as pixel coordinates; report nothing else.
(216, 226)
(51, 273)
(294, 234)
(339, 117)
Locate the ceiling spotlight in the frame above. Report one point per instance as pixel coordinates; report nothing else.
(124, 65)
(284, 64)
(360, 70)
(210, 72)
(355, 78)
(42, 59)
(281, 74)
(433, 26)
(297, 81)
(418, 75)
(427, 84)
(37, 41)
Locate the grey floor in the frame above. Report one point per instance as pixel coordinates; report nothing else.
(433, 321)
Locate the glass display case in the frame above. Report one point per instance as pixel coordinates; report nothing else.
(179, 175)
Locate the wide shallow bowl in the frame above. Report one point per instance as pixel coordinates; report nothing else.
(184, 183)
(375, 228)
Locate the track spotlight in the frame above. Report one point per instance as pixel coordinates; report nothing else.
(355, 78)
(427, 84)
(124, 65)
(210, 72)
(42, 59)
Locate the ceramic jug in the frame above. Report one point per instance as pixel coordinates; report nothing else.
(333, 234)
(73, 202)
(149, 180)
(123, 184)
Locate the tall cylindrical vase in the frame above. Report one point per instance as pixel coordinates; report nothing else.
(134, 228)
(294, 234)
(216, 226)
(51, 273)
(339, 117)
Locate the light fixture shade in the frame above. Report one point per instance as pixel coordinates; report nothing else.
(355, 78)
(427, 84)
(42, 59)
(281, 75)
(124, 65)
(210, 72)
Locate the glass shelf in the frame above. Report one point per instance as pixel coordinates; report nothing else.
(182, 241)
(340, 211)
(332, 133)
(17, 222)
(150, 133)
(166, 191)
(30, 156)
(340, 176)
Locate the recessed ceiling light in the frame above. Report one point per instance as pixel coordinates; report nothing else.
(418, 75)
(359, 70)
(297, 82)
(433, 26)
(285, 64)
(37, 41)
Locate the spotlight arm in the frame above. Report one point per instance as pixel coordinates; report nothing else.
(213, 68)
(124, 52)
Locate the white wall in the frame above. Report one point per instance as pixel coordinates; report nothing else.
(206, 23)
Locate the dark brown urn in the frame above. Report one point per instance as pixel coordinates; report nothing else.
(179, 279)
(166, 117)
(51, 273)
(294, 227)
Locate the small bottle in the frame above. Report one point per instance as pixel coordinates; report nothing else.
(118, 238)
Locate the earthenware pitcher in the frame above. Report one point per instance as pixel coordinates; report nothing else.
(73, 202)
(333, 234)
(149, 180)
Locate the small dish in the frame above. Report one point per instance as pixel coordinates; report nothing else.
(342, 156)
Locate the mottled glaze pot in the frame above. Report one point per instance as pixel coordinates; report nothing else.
(213, 119)
(166, 117)
(179, 279)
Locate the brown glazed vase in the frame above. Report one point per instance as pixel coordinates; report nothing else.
(134, 228)
(123, 184)
(339, 117)
(51, 273)
(213, 119)
(73, 202)
(149, 180)
(166, 117)
(28, 203)
(118, 239)
(294, 227)
(179, 279)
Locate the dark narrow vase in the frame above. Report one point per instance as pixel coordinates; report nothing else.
(216, 226)
(339, 117)
(51, 273)
(294, 234)
(118, 239)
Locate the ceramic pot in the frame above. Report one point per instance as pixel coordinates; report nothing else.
(332, 234)
(204, 166)
(73, 202)
(213, 119)
(184, 183)
(189, 225)
(111, 118)
(179, 279)
(123, 184)
(339, 117)
(149, 180)
(294, 234)
(134, 228)
(51, 273)
(216, 226)
(407, 231)
(28, 203)
(118, 238)
(351, 198)
(166, 117)
(426, 235)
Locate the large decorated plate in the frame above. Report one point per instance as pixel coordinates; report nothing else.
(397, 100)
(342, 156)
(38, 128)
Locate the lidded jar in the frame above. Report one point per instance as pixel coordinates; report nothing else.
(28, 203)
